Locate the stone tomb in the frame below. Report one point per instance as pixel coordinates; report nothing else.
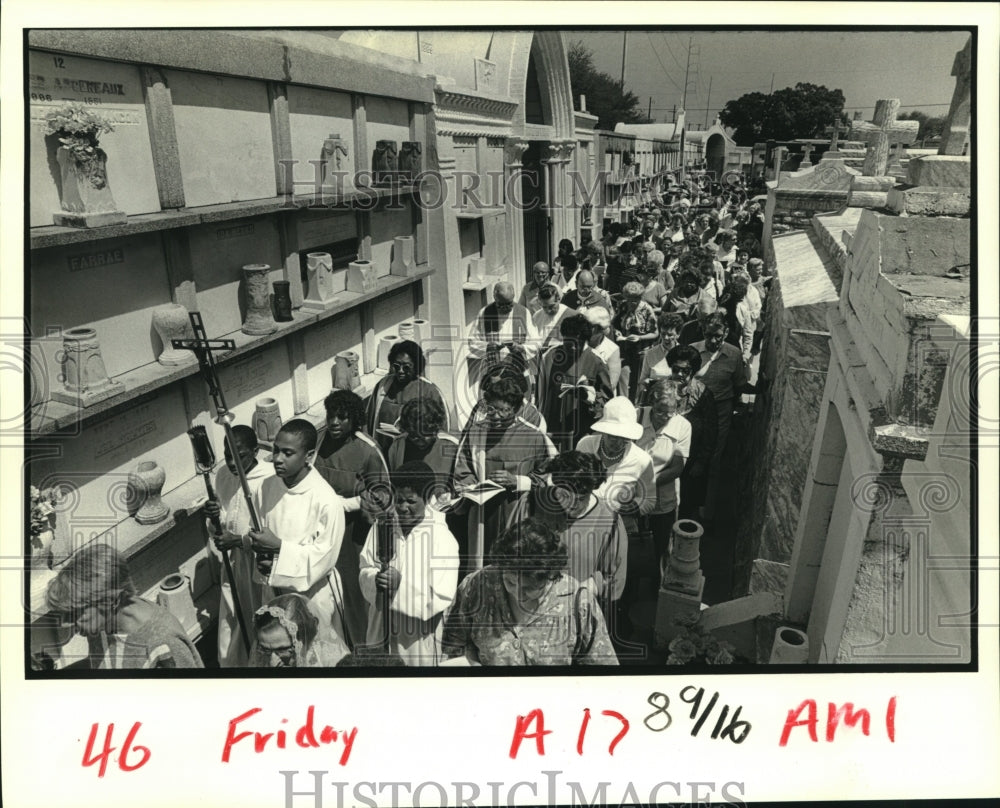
(391, 311)
(223, 137)
(219, 252)
(390, 220)
(322, 343)
(96, 463)
(262, 374)
(112, 285)
(109, 89)
(313, 116)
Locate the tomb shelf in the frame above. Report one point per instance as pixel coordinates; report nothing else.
(478, 213)
(52, 416)
(485, 283)
(56, 236)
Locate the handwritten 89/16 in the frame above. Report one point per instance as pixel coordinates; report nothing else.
(730, 727)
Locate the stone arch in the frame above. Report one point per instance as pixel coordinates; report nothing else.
(548, 52)
(715, 154)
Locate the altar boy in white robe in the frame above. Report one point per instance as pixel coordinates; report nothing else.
(420, 579)
(234, 515)
(302, 528)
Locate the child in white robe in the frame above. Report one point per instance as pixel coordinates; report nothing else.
(421, 577)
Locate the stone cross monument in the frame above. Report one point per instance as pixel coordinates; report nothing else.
(883, 131)
(956, 128)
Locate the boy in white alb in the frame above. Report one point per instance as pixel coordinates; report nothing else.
(302, 528)
(234, 514)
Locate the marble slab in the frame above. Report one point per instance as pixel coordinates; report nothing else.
(313, 115)
(109, 89)
(219, 251)
(322, 343)
(112, 285)
(223, 137)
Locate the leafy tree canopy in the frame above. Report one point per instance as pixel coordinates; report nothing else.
(929, 127)
(605, 98)
(802, 111)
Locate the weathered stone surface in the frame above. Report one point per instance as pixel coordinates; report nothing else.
(869, 192)
(768, 576)
(928, 200)
(940, 170)
(897, 439)
(922, 245)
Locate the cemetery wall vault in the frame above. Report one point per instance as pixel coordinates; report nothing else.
(222, 166)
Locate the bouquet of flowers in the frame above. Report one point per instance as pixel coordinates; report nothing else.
(694, 644)
(43, 510)
(78, 129)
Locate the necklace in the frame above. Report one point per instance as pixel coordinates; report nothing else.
(611, 459)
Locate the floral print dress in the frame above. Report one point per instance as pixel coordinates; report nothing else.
(567, 628)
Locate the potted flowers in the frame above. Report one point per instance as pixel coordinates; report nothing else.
(85, 195)
(43, 525)
(694, 645)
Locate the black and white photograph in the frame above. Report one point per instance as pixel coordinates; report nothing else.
(491, 353)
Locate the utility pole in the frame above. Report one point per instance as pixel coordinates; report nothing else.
(772, 84)
(708, 104)
(624, 55)
(649, 112)
(687, 70)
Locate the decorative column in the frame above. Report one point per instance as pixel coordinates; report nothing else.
(513, 152)
(679, 602)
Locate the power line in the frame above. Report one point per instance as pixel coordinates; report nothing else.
(658, 59)
(670, 51)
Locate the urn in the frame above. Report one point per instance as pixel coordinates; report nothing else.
(146, 488)
(266, 419)
(258, 321)
(171, 322)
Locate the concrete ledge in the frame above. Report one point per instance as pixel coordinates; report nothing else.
(940, 170)
(926, 200)
(902, 441)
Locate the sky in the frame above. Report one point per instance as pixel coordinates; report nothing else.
(914, 67)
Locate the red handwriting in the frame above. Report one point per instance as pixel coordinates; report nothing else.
(834, 716)
(89, 758)
(305, 736)
(535, 721)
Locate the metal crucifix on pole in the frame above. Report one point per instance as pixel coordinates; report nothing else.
(204, 456)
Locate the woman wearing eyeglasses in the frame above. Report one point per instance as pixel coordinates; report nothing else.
(95, 594)
(405, 382)
(501, 448)
(524, 609)
(285, 631)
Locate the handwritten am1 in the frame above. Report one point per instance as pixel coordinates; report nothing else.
(132, 756)
(728, 722)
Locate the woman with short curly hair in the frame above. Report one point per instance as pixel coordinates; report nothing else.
(95, 594)
(524, 609)
(594, 534)
(405, 382)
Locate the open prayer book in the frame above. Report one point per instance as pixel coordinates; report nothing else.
(482, 492)
(390, 430)
(580, 384)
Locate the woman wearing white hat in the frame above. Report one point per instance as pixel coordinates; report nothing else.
(630, 488)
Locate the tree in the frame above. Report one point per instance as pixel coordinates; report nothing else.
(802, 111)
(930, 128)
(605, 97)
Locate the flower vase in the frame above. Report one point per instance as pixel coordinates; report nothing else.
(146, 487)
(683, 571)
(174, 595)
(323, 284)
(83, 373)
(345, 371)
(282, 301)
(172, 322)
(361, 276)
(402, 256)
(259, 321)
(266, 419)
(41, 547)
(84, 194)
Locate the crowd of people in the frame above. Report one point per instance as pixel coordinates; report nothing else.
(497, 525)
